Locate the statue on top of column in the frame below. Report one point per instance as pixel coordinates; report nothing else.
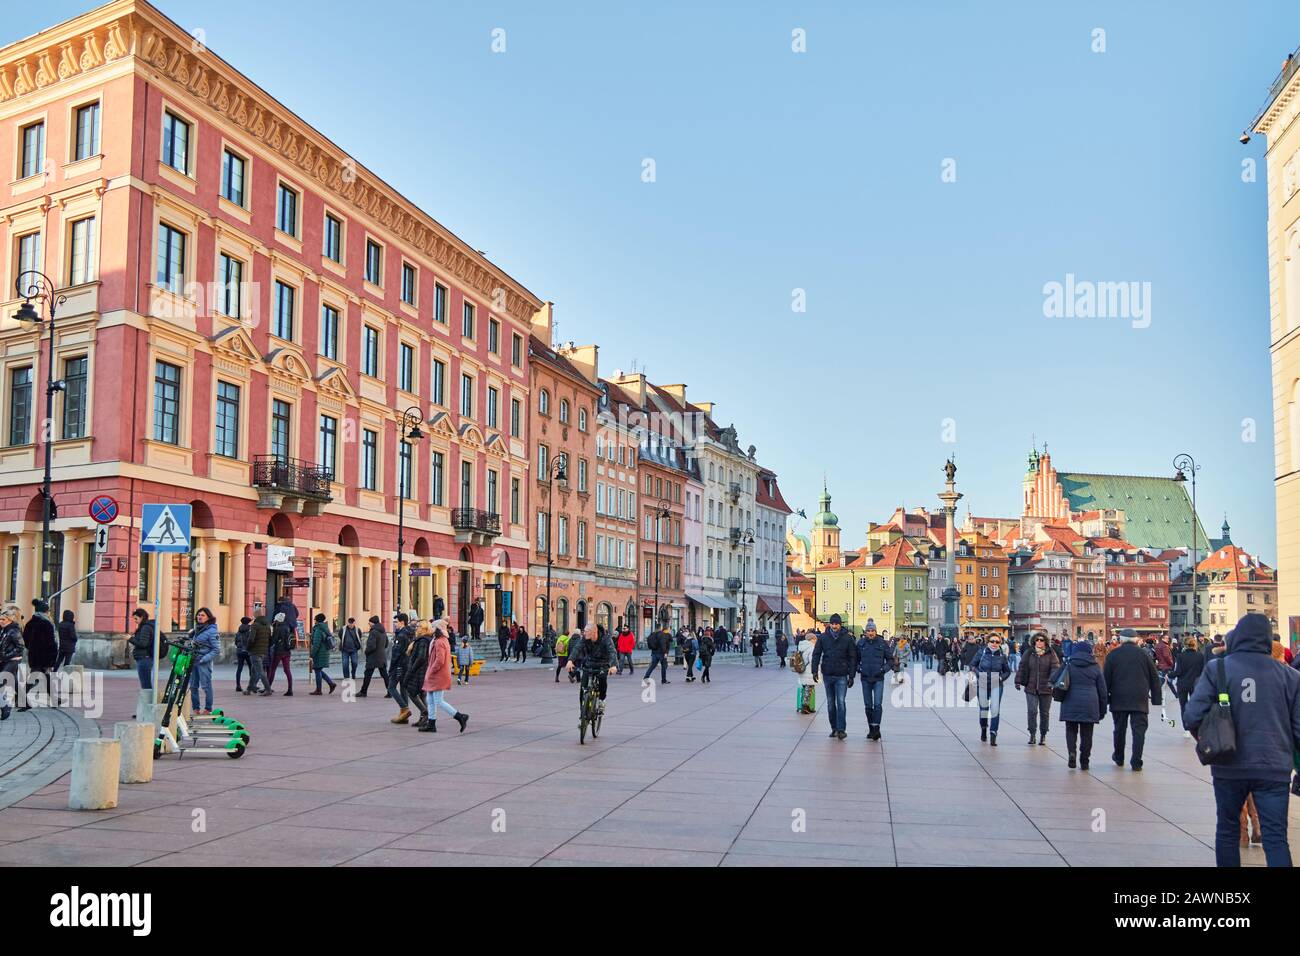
(950, 469)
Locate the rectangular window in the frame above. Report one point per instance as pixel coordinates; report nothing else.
(11, 592)
(20, 406)
(467, 396)
(232, 286)
(440, 303)
(582, 540)
(329, 332)
(467, 320)
(562, 537)
(404, 469)
(492, 490)
(514, 501)
(543, 462)
(227, 430)
(370, 351)
(329, 441)
(171, 258)
(74, 397)
(369, 458)
(541, 531)
(286, 210)
(494, 336)
(439, 382)
(466, 485)
(438, 477)
(167, 403)
(29, 253)
(405, 367)
(333, 241)
(284, 303)
(232, 178)
(374, 263)
(492, 398)
(514, 417)
(408, 283)
(516, 349)
(87, 132)
(176, 143)
(81, 255)
(281, 422)
(582, 475)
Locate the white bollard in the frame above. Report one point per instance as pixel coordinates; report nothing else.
(137, 751)
(143, 704)
(95, 763)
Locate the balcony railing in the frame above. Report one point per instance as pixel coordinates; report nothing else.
(735, 491)
(290, 476)
(732, 584)
(735, 536)
(474, 519)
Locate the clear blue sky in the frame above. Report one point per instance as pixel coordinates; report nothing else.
(821, 171)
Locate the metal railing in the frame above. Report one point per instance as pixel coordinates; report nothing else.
(1289, 69)
(292, 476)
(735, 536)
(475, 519)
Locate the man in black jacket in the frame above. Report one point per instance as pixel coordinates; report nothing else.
(657, 644)
(475, 618)
(402, 637)
(1264, 698)
(876, 658)
(593, 652)
(376, 648)
(835, 657)
(1133, 683)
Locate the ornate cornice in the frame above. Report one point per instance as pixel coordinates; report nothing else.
(136, 29)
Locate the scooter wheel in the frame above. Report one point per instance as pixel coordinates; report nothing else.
(236, 753)
(245, 738)
(157, 750)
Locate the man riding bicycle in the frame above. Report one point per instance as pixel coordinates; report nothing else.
(595, 656)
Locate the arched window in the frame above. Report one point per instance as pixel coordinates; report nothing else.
(544, 402)
(582, 419)
(564, 411)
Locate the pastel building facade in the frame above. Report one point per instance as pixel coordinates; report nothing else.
(248, 313)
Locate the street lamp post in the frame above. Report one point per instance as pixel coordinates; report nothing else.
(660, 512)
(36, 285)
(746, 541)
(1185, 464)
(556, 470)
(410, 429)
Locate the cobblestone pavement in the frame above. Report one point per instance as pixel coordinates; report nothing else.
(704, 774)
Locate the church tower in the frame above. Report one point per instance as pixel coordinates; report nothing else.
(826, 533)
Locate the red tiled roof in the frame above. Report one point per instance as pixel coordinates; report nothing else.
(1235, 562)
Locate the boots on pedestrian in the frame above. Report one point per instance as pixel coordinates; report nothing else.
(403, 716)
(422, 722)
(984, 728)
(1072, 762)
(462, 718)
(1042, 739)
(993, 740)
(315, 693)
(430, 727)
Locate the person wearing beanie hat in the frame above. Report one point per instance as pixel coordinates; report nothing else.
(1132, 685)
(835, 657)
(376, 655)
(42, 648)
(281, 650)
(875, 659)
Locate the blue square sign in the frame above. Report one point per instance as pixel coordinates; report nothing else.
(165, 529)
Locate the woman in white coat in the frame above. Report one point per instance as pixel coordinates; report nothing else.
(805, 700)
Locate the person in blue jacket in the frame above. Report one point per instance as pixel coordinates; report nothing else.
(1085, 702)
(991, 669)
(1264, 698)
(207, 647)
(876, 658)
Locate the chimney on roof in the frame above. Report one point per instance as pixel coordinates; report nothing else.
(544, 323)
(677, 391)
(705, 407)
(635, 383)
(586, 359)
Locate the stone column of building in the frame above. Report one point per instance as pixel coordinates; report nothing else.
(29, 546)
(235, 584)
(209, 592)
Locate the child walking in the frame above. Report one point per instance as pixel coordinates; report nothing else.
(464, 658)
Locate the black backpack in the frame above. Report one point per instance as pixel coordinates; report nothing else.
(1216, 738)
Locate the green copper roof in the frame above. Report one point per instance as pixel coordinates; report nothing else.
(825, 518)
(1158, 511)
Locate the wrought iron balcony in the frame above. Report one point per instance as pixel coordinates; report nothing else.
(732, 584)
(476, 521)
(279, 478)
(735, 491)
(735, 536)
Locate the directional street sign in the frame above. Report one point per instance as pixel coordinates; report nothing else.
(103, 509)
(101, 539)
(166, 529)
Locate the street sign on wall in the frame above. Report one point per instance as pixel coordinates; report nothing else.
(166, 529)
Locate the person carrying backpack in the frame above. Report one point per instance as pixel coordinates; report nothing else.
(658, 658)
(561, 655)
(259, 642)
(322, 642)
(690, 648)
(708, 647)
(281, 650)
(1263, 698)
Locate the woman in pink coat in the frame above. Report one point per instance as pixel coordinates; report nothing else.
(437, 679)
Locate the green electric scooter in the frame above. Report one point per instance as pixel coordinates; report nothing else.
(214, 733)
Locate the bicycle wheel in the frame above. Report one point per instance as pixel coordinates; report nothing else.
(582, 729)
(595, 726)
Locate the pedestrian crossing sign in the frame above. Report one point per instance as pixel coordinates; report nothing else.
(166, 529)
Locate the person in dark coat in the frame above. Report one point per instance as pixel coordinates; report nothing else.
(1187, 671)
(141, 642)
(42, 649)
(242, 638)
(259, 645)
(782, 647)
(991, 669)
(439, 606)
(376, 656)
(969, 651)
(475, 619)
(1133, 683)
(67, 639)
(876, 658)
(1268, 734)
(282, 637)
(397, 660)
(835, 657)
(11, 656)
(413, 668)
(350, 645)
(1085, 703)
(708, 647)
(521, 644)
(1034, 676)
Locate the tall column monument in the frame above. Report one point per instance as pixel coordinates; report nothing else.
(950, 496)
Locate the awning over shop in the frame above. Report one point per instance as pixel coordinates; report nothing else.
(775, 607)
(708, 600)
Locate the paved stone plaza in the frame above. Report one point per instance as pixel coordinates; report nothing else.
(705, 775)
